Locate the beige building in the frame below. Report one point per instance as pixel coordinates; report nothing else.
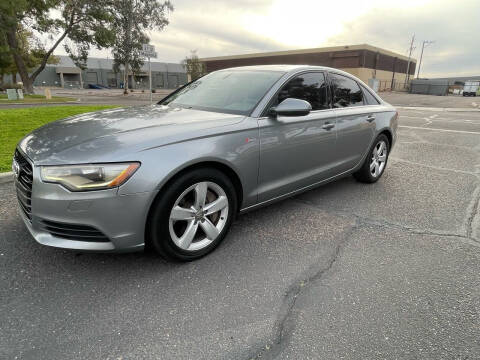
(364, 61)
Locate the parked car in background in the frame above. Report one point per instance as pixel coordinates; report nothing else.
(471, 87)
(173, 176)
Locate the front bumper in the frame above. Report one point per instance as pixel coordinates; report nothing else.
(121, 218)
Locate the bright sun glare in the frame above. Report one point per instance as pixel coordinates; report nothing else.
(309, 23)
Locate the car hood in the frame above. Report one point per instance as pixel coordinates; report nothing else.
(99, 136)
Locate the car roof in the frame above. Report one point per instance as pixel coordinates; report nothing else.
(283, 68)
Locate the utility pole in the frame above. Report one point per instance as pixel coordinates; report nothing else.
(424, 45)
(150, 79)
(407, 77)
(149, 51)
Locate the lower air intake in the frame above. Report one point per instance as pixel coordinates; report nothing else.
(73, 231)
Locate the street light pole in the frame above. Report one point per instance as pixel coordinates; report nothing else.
(424, 45)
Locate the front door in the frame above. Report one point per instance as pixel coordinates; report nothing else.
(298, 151)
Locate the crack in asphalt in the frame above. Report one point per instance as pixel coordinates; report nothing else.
(473, 211)
(282, 328)
(384, 223)
(284, 324)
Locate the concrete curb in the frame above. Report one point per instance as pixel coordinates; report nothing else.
(6, 177)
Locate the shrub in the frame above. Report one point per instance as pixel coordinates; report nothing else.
(5, 86)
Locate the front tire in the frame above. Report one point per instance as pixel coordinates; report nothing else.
(192, 215)
(375, 162)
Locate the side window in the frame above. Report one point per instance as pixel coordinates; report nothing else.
(369, 98)
(310, 87)
(346, 92)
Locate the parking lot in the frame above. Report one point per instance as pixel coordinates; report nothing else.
(345, 271)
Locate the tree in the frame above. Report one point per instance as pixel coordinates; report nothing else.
(6, 60)
(132, 19)
(31, 51)
(193, 66)
(83, 22)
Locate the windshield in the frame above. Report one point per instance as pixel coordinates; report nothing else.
(229, 91)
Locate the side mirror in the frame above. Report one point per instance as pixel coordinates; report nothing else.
(292, 107)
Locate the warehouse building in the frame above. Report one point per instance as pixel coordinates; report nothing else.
(100, 72)
(364, 61)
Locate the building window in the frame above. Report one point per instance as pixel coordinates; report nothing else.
(159, 81)
(112, 79)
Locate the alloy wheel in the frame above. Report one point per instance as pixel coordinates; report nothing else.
(198, 216)
(379, 159)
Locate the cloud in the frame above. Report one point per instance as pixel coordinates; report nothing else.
(216, 28)
(452, 25)
(213, 28)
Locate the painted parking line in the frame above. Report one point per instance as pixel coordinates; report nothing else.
(441, 130)
(436, 118)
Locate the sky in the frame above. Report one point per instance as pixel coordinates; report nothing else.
(230, 27)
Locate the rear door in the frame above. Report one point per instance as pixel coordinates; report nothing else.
(355, 120)
(297, 151)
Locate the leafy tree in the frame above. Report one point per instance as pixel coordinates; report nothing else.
(83, 22)
(6, 60)
(132, 19)
(31, 51)
(193, 66)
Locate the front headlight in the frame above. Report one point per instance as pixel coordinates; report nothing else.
(89, 177)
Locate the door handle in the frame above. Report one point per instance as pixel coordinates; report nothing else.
(370, 118)
(328, 126)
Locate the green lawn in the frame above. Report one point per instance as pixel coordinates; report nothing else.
(35, 99)
(16, 123)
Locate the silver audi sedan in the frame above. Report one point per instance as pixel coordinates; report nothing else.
(173, 176)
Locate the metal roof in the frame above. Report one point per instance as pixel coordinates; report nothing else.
(282, 68)
(310, 51)
(102, 63)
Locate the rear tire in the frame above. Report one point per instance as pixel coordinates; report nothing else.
(192, 215)
(375, 162)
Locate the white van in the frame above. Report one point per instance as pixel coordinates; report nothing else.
(471, 87)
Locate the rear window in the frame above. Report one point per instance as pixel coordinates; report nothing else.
(369, 98)
(346, 92)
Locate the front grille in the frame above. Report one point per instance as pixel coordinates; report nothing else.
(23, 184)
(73, 231)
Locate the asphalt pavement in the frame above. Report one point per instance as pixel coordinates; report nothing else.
(345, 271)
